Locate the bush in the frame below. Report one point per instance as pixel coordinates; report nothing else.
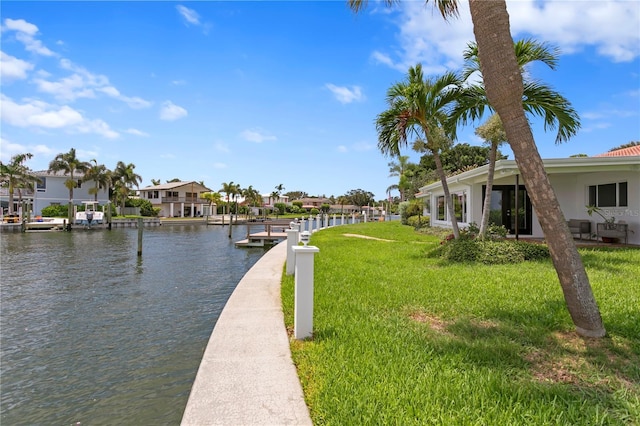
(55, 210)
(314, 211)
(418, 221)
(146, 208)
(532, 251)
(489, 252)
(408, 209)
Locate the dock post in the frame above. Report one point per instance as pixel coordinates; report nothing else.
(292, 241)
(303, 309)
(140, 228)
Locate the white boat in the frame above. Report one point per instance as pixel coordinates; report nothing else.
(45, 224)
(90, 216)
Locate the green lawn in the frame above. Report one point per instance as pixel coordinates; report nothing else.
(401, 338)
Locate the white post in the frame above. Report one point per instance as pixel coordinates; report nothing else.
(303, 309)
(334, 219)
(342, 219)
(292, 240)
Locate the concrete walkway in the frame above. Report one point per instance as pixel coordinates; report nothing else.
(246, 376)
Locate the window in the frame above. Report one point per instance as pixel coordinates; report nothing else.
(460, 206)
(427, 205)
(79, 184)
(441, 208)
(608, 195)
(41, 184)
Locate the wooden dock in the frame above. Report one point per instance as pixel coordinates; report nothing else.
(272, 233)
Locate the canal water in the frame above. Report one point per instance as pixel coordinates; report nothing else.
(92, 334)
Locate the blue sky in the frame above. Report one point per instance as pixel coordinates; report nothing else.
(269, 93)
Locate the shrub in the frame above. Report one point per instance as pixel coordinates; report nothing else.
(532, 251)
(146, 208)
(418, 221)
(55, 210)
(462, 251)
(498, 252)
(314, 211)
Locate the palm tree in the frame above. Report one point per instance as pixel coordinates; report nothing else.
(214, 198)
(399, 169)
(418, 106)
(100, 175)
(69, 163)
(227, 189)
(505, 89)
(493, 133)
(252, 196)
(125, 179)
(15, 175)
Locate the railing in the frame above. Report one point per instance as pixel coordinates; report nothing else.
(613, 231)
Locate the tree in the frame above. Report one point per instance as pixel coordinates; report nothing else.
(125, 179)
(626, 145)
(15, 175)
(69, 164)
(100, 175)
(504, 87)
(296, 195)
(493, 133)
(418, 107)
(359, 197)
(400, 169)
(156, 182)
(214, 198)
(252, 196)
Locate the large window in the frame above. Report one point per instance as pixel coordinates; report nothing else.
(608, 195)
(460, 206)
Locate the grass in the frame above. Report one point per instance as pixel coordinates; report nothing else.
(401, 338)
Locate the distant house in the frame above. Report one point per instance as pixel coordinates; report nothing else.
(178, 199)
(610, 181)
(51, 190)
(269, 200)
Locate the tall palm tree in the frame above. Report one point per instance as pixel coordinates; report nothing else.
(214, 198)
(252, 196)
(505, 88)
(15, 175)
(69, 164)
(493, 133)
(100, 175)
(399, 170)
(227, 189)
(125, 178)
(418, 107)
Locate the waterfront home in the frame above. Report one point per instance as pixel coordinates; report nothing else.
(51, 189)
(610, 181)
(178, 199)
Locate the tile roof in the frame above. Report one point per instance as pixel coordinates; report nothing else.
(624, 152)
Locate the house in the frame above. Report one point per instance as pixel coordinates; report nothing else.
(178, 199)
(268, 200)
(51, 189)
(610, 182)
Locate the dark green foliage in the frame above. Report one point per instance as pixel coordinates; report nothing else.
(489, 252)
(281, 207)
(408, 209)
(532, 251)
(55, 211)
(314, 211)
(146, 208)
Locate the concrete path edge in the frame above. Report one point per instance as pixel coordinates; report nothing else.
(247, 376)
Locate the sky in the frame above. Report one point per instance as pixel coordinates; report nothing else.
(279, 93)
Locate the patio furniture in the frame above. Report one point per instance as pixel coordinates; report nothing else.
(580, 226)
(613, 230)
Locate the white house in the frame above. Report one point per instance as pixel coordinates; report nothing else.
(610, 181)
(178, 199)
(51, 190)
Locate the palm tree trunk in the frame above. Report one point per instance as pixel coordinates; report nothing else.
(486, 210)
(447, 196)
(503, 84)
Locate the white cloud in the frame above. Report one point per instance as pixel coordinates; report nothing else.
(189, 15)
(345, 94)
(12, 68)
(611, 27)
(25, 33)
(38, 114)
(171, 111)
(137, 132)
(342, 148)
(257, 136)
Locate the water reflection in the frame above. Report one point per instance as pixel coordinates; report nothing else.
(91, 333)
